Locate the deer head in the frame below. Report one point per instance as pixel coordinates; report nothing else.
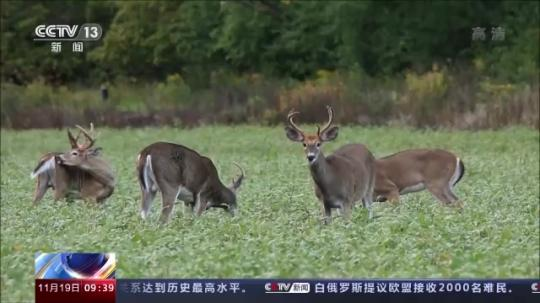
(80, 153)
(312, 142)
(235, 184)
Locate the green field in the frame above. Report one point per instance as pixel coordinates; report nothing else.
(278, 232)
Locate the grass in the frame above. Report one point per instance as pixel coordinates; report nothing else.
(277, 232)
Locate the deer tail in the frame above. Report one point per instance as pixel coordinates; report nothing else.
(459, 172)
(146, 174)
(44, 165)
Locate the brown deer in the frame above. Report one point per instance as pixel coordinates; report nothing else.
(342, 178)
(415, 170)
(180, 173)
(78, 173)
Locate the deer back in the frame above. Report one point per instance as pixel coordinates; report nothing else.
(415, 166)
(175, 165)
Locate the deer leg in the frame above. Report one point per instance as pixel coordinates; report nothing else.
(190, 206)
(147, 198)
(61, 180)
(168, 196)
(327, 212)
(340, 210)
(367, 200)
(392, 197)
(104, 194)
(200, 205)
(347, 209)
(60, 193)
(42, 184)
(368, 196)
(449, 193)
(386, 191)
(60, 190)
(380, 198)
(438, 191)
(96, 192)
(368, 204)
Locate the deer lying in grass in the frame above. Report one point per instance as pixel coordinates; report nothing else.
(183, 174)
(342, 178)
(79, 173)
(415, 170)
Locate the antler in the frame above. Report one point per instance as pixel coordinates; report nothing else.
(236, 183)
(290, 117)
(330, 119)
(73, 141)
(90, 136)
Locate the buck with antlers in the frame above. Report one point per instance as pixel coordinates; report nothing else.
(80, 172)
(417, 169)
(342, 178)
(183, 174)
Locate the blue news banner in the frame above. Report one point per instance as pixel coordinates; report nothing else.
(260, 290)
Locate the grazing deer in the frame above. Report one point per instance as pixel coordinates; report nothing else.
(415, 170)
(181, 173)
(80, 172)
(342, 178)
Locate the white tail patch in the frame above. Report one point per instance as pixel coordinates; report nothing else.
(44, 167)
(456, 174)
(148, 174)
(413, 188)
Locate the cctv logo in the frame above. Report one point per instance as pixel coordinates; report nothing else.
(277, 287)
(535, 287)
(56, 31)
(286, 288)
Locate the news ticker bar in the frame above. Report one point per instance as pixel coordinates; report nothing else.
(250, 290)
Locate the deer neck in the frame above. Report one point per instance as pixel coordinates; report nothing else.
(319, 170)
(101, 171)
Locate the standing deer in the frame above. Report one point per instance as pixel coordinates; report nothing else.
(80, 172)
(181, 173)
(415, 170)
(342, 178)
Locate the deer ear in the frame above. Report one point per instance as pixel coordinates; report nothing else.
(95, 151)
(330, 134)
(293, 134)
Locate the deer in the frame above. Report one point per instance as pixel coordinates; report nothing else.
(79, 173)
(414, 170)
(341, 179)
(181, 173)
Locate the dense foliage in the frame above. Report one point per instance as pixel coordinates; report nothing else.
(283, 39)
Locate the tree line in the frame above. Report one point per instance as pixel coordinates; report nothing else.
(283, 39)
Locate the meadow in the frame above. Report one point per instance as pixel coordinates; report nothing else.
(278, 232)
